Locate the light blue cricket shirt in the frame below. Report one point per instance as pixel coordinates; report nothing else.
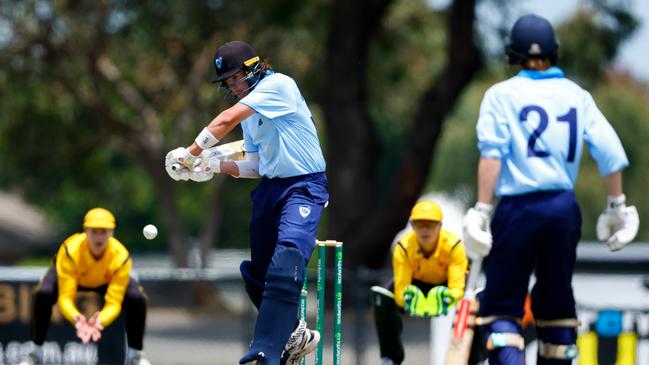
(282, 130)
(536, 123)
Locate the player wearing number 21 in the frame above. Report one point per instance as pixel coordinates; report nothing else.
(531, 134)
(282, 148)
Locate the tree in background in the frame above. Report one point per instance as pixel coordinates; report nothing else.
(98, 92)
(589, 43)
(95, 94)
(360, 214)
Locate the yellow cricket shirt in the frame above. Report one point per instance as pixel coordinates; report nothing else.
(447, 264)
(75, 266)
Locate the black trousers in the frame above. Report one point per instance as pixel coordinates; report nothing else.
(389, 325)
(47, 292)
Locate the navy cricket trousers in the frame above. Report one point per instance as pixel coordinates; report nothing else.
(285, 213)
(536, 232)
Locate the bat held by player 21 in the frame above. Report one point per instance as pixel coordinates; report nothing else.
(459, 346)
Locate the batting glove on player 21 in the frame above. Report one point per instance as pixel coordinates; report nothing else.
(476, 231)
(618, 224)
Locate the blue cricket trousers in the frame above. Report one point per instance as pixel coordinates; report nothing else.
(536, 232)
(285, 213)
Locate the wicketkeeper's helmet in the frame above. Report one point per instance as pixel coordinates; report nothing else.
(426, 211)
(99, 218)
(531, 37)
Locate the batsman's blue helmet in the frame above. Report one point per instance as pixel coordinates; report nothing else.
(233, 57)
(531, 37)
(236, 56)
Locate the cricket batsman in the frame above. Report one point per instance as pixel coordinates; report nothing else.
(91, 261)
(282, 149)
(531, 132)
(430, 266)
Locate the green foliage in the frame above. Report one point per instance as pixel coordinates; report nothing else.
(591, 40)
(407, 54)
(57, 149)
(587, 47)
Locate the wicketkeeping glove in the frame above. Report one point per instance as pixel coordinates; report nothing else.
(416, 302)
(618, 224)
(476, 231)
(439, 300)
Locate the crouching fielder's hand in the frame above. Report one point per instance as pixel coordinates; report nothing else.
(476, 231)
(618, 224)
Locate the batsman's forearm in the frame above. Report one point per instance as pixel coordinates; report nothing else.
(230, 168)
(614, 183)
(223, 123)
(488, 172)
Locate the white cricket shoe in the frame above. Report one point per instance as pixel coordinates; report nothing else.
(137, 358)
(302, 342)
(34, 357)
(387, 361)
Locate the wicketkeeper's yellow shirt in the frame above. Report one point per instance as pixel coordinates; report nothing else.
(75, 266)
(447, 264)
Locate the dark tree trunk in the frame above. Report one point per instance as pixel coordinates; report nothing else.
(356, 217)
(352, 140)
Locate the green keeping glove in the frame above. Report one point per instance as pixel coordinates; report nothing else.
(439, 300)
(416, 302)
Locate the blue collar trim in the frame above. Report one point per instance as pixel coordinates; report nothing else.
(551, 73)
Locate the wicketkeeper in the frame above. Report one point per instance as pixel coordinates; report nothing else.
(91, 261)
(430, 267)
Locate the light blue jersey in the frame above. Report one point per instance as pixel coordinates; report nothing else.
(536, 123)
(282, 129)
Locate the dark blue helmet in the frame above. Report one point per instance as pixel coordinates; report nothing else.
(236, 56)
(531, 37)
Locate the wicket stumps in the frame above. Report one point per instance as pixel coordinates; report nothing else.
(338, 296)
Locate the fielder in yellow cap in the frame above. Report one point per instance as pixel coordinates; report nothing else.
(95, 261)
(427, 259)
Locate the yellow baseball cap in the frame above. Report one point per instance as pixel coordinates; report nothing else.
(426, 211)
(99, 218)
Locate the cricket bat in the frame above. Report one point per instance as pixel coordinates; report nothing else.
(459, 346)
(228, 151)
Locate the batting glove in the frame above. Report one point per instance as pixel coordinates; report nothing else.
(476, 231)
(618, 224)
(200, 175)
(208, 161)
(182, 156)
(174, 168)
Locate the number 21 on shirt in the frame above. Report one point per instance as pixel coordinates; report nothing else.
(570, 118)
